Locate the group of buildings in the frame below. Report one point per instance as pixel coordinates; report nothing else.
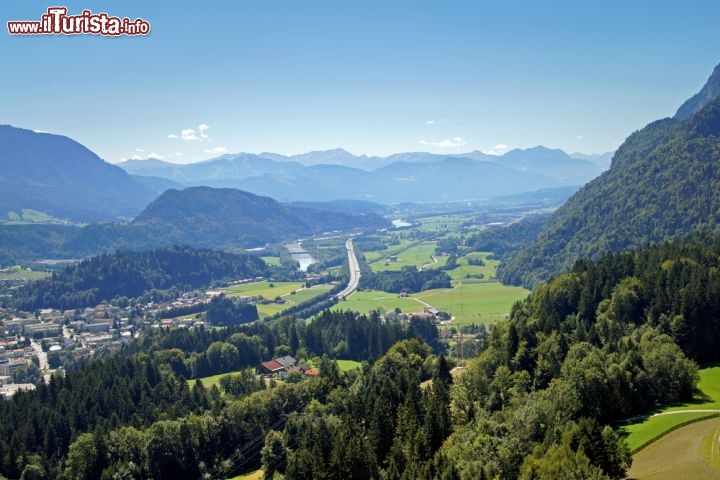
(283, 366)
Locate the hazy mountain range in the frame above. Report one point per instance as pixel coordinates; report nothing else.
(58, 176)
(403, 177)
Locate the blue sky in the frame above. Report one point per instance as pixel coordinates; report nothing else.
(373, 77)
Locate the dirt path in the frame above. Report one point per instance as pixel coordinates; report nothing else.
(701, 410)
(679, 454)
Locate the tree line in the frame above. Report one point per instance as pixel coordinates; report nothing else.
(407, 279)
(132, 274)
(133, 398)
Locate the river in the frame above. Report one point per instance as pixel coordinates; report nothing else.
(300, 255)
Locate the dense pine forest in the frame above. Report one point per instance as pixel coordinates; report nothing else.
(408, 279)
(131, 274)
(610, 340)
(79, 424)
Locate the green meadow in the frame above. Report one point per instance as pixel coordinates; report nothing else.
(475, 296)
(371, 256)
(485, 303)
(469, 303)
(19, 273)
(284, 290)
(442, 223)
(417, 255)
(265, 288)
(273, 261)
(256, 475)
(707, 397)
(292, 299)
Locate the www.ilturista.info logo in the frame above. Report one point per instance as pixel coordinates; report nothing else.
(57, 22)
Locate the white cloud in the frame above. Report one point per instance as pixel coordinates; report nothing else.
(579, 137)
(136, 157)
(216, 150)
(199, 134)
(442, 121)
(188, 135)
(178, 154)
(498, 149)
(203, 128)
(454, 142)
(40, 131)
(155, 156)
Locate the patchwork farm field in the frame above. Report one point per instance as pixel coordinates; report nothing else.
(418, 255)
(371, 256)
(465, 269)
(485, 303)
(443, 223)
(475, 296)
(705, 403)
(284, 290)
(367, 300)
(469, 303)
(19, 273)
(292, 299)
(266, 289)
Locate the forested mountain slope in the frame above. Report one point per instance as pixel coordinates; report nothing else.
(130, 274)
(59, 176)
(664, 182)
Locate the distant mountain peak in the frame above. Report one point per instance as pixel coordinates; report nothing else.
(709, 92)
(539, 148)
(338, 150)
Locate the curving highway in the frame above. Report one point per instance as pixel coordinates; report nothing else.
(354, 271)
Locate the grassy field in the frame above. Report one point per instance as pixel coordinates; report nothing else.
(465, 269)
(347, 365)
(372, 299)
(418, 255)
(485, 303)
(28, 215)
(208, 382)
(292, 300)
(256, 475)
(278, 289)
(470, 303)
(371, 256)
(706, 398)
(274, 261)
(442, 223)
(470, 300)
(19, 273)
(691, 453)
(640, 433)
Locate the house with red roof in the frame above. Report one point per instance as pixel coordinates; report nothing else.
(272, 367)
